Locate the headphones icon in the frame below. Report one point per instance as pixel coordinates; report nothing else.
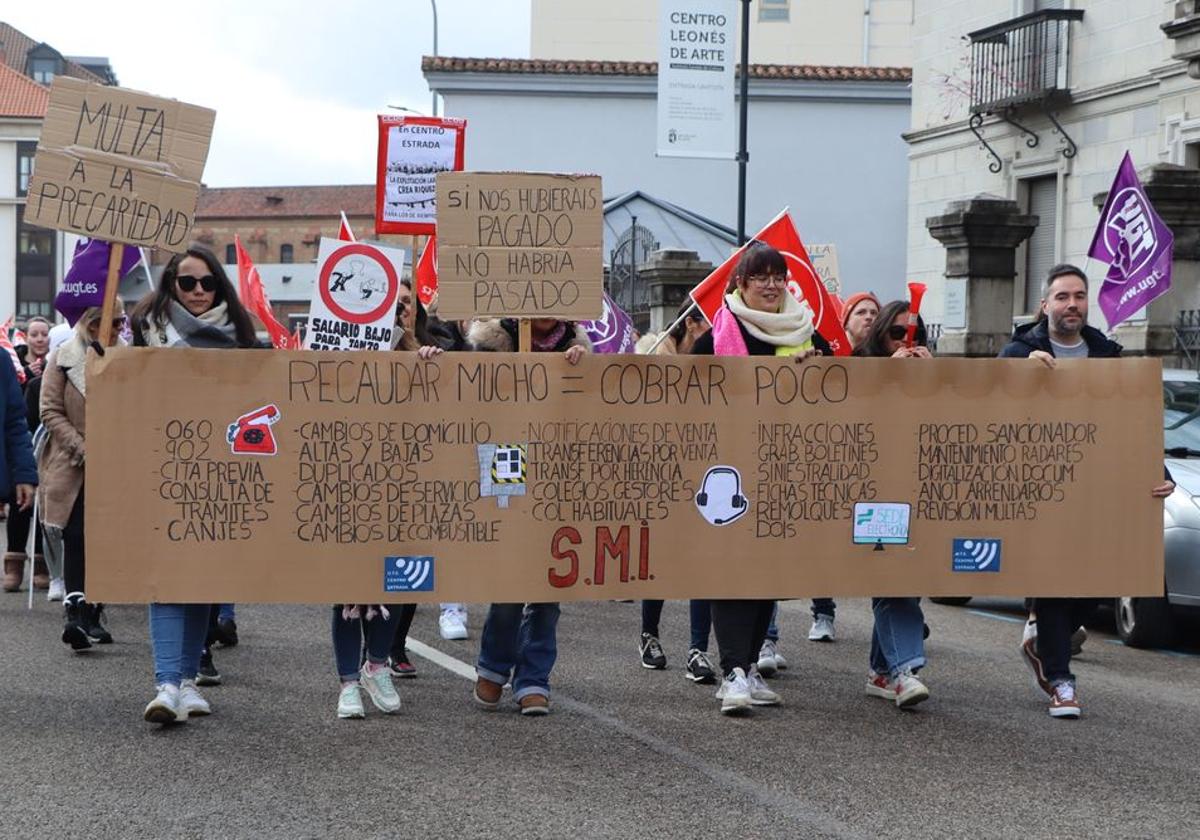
(720, 499)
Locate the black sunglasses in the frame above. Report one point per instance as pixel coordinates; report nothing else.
(897, 332)
(186, 283)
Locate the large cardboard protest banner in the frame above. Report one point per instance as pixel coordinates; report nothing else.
(374, 477)
(119, 165)
(412, 151)
(697, 51)
(520, 244)
(354, 298)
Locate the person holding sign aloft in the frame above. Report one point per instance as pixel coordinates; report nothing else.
(898, 635)
(194, 305)
(760, 317)
(1061, 331)
(520, 641)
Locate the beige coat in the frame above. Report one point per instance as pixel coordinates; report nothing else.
(60, 467)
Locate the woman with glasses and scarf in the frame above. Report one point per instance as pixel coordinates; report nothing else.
(898, 638)
(64, 412)
(194, 305)
(760, 318)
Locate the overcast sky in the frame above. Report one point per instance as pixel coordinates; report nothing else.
(296, 85)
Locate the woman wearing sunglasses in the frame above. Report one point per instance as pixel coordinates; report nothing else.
(194, 305)
(60, 466)
(760, 318)
(898, 639)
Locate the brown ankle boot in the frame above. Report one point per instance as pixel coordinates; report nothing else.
(14, 571)
(41, 575)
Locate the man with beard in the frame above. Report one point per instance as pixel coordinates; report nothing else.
(1061, 332)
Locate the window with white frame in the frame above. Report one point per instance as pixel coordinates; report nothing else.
(1041, 200)
(774, 10)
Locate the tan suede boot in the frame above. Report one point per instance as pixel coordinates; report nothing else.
(41, 575)
(14, 571)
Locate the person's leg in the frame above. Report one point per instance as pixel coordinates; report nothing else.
(1056, 620)
(500, 642)
(899, 626)
(347, 633)
(404, 614)
(773, 624)
(878, 662)
(196, 619)
(538, 650)
(381, 635)
(700, 615)
(15, 557)
(73, 551)
(651, 615)
(764, 619)
(733, 622)
(824, 606)
(166, 641)
(227, 613)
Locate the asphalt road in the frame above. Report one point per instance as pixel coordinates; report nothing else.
(625, 753)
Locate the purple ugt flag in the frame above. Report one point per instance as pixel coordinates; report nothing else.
(83, 287)
(1137, 246)
(613, 332)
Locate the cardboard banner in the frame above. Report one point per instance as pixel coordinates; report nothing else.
(697, 52)
(119, 165)
(520, 245)
(412, 151)
(354, 297)
(374, 477)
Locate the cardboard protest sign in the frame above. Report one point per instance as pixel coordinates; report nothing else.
(119, 165)
(520, 244)
(412, 151)
(368, 477)
(824, 259)
(354, 298)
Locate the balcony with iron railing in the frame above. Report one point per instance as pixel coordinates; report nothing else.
(1020, 61)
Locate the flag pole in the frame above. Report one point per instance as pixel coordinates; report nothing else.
(668, 330)
(743, 156)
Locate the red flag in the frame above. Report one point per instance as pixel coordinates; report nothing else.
(7, 346)
(803, 282)
(427, 272)
(254, 298)
(344, 232)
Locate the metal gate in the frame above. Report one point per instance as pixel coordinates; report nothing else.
(625, 286)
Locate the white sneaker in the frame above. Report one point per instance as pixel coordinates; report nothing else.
(164, 708)
(379, 688)
(350, 703)
(780, 662)
(734, 693)
(191, 701)
(822, 629)
(57, 590)
(878, 685)
(909, 690)
(760, 693)
(453, 624)
(768, 659)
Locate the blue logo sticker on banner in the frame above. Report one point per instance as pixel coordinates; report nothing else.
(408, 574)
(976, 555)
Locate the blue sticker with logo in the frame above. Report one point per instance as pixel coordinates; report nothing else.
(408, 574)
(977, 555)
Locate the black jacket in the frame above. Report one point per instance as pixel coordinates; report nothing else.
(1036, 336)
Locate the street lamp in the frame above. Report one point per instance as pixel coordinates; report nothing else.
(433, 4)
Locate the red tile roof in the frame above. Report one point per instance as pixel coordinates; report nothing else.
(285, 202)
(812, 72)
(16, 45)
(21, 96)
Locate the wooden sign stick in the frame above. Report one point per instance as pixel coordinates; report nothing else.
(115, 255)
(525, 335)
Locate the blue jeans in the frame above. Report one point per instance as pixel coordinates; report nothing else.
(519, 642)
(226, 613)
(898, 640)
(348, 636)
(177, 634)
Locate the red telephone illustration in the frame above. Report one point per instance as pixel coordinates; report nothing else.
(251, 434)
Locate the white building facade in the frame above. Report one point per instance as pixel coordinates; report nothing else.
(1058, 91)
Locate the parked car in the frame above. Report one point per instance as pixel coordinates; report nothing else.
(1151, 622)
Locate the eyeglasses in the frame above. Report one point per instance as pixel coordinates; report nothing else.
(767, 279)
(187, 283)
(897, 332)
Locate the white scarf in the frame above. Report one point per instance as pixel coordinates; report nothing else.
(791, 326)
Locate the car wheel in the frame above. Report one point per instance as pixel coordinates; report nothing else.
(951, 602)
(1143, 622)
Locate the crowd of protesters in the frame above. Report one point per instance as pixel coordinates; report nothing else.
(194, 305)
